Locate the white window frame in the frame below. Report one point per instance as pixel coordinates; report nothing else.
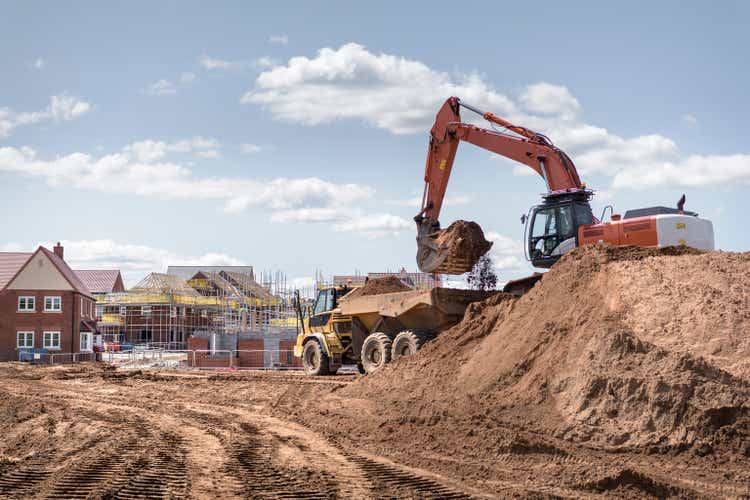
(123, 311)
(82, 309)
(27, 309)
(145, 311)
(84, 347)
(52, 303)
(99, 311)
(25, 339)
(51, 345)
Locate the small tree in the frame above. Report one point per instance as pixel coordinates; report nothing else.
(482, 276)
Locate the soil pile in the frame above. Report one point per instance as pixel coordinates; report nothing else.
(465, 239)
(615, 348)
(379, 286)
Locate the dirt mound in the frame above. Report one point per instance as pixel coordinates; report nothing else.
(617, 348)
(379, 286)
(464, 238)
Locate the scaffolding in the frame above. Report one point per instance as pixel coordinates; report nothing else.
(165, 310)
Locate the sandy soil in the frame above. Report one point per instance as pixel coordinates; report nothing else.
(91, 433)
(622, 373)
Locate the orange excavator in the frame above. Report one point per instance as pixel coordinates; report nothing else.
(564, 219)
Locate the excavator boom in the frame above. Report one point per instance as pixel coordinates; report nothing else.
(437, 250)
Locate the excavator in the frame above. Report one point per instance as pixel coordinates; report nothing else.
(563, 221)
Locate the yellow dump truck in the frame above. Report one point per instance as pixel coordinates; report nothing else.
(343, 327)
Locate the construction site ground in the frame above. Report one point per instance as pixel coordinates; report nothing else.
(83, 431)
(622, 373)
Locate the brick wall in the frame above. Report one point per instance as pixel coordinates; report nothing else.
(67, 322)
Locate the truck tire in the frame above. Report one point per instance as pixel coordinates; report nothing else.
(407, 343)
(376, 352)
(314, 359)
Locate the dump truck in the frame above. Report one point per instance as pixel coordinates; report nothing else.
(345, 327)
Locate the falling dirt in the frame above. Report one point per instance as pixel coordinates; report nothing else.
(379, 286)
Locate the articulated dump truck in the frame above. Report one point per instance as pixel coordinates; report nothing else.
(345, 327)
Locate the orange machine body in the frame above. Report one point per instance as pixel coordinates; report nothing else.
(639, 231)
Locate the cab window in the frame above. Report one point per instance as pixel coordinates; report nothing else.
(321, 302)
(550, 227)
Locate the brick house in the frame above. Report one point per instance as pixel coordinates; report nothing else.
(43, 305)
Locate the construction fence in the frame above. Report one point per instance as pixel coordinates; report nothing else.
(235, 359)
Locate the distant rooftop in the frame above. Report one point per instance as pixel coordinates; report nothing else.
(10, 263)
(187, 272)
(99, 281)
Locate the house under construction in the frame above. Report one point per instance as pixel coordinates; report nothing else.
(212, 302)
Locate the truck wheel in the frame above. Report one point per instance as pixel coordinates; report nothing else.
(407, 343)
(315, 359)
(376, 352)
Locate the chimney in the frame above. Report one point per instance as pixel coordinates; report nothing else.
(58, 249)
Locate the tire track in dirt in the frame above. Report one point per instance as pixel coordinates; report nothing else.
(21, 479)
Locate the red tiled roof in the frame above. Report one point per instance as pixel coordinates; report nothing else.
(98, 281)
(10, 264)
(67, 272)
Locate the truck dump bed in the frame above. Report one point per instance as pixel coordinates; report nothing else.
(431, 311)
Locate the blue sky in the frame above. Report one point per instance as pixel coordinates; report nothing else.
(292, 136)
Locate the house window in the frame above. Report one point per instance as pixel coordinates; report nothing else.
(85, 343)
(26, 304)
(145, 310)
(53, 304)
(99, 311)
(173, 311)
(52, 340)
(24, 339)
(123, 310)
(83, 305)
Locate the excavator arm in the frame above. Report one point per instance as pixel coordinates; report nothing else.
(527, 147)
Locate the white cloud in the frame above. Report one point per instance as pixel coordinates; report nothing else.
(391, 92)
(211, 63)
(187, 78)
(347, 219)
(266, 62)
(136, 171)
(61, 108)
(161, 87)
(122, 173)
(168, 87)
(280, 39)
(38, 63)
(693, 171)
(149, 151)
(690, 119)
(402, 96)
(211, 154)
(134, 261)
(248, 148)
(373, 225)
(546, 99)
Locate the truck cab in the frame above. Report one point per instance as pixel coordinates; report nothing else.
(328, 333)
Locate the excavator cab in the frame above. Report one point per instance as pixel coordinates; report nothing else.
(552, 227)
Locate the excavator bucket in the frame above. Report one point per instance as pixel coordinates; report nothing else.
(454, 250)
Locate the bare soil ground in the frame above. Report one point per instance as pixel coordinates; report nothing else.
(623, 373)
(84, 432)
